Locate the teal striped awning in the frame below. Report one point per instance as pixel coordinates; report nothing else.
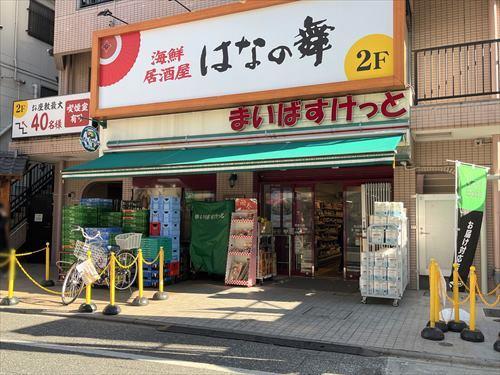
(268, 156)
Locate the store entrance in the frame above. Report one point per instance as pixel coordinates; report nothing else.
(307, 222)
(328, 229)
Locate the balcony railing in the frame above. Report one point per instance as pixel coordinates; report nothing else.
(457, 71)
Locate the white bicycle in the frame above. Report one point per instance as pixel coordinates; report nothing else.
(124, 278)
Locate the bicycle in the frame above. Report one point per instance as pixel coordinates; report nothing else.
(124, 278)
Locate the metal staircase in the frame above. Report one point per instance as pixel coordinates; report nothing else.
(37, 180)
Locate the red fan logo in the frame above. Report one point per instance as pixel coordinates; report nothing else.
(117, 56)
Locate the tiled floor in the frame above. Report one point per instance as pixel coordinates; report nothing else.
(288, 312)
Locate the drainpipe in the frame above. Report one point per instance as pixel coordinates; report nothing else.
(495, 150)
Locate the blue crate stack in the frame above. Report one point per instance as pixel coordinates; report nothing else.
(107, 234)
(166, 210)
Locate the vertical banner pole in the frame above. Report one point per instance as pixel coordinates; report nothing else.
(455, 246)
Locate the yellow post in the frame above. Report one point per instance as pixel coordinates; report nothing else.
(472, 334)
(140, 300)
(141, 273)
(88, 306)
(437, 302)
(47, 261)
(472, 301)
(112, 279)
(456, 304)
(160, 294)
(88, 288)
(432, 322)
(111, 309)
(47, 281)
(160, 266)
(433, 331)
(10, 299)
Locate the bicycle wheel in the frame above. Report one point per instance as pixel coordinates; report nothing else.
(72, 285)
(125, 278)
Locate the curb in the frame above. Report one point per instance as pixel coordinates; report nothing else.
(285, 341)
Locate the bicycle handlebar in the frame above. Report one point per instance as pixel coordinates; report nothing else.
(85, 235)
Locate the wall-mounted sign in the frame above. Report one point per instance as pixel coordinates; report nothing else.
(244, 53)
(50, 116)
(89, 139)
(387, 106)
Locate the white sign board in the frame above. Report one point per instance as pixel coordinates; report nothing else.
(50, 116)
(293, 45)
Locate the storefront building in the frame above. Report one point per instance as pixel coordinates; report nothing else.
(315, 132)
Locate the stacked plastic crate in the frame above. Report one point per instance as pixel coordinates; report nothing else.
(74, 216)
(135, 221)
(165, 222)
(171, 228)
(110, 219)
(150, 248)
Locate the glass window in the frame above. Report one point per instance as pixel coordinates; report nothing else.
(46, 91)
(41, 22)
(88, 3)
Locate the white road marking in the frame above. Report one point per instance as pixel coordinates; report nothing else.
(137, 357)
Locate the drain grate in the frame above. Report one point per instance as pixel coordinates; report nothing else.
(321, 312)
(445, 344)
(492, 313)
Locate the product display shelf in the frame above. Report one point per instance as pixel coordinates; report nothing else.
(266, 257)
(328, 229)
(242, 250)
(389, 256)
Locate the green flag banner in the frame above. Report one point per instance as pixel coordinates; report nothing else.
(471, 191)
(210, 224)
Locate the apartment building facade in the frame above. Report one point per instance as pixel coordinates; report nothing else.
(451, 83)
(27, 68)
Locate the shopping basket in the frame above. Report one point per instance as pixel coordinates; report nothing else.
(128, 241)
(98, 254)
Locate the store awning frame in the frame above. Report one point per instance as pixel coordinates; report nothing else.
(289, 155)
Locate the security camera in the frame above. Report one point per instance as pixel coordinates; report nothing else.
(478, 142)
(50, 51)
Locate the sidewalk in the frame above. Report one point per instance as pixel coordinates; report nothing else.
(283, 312)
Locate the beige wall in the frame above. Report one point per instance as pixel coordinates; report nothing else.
(434, 155)
(74, 26)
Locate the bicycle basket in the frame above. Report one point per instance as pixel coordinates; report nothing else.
(98, 254)
(128, 241)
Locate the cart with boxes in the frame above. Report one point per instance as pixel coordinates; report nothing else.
(384, 264)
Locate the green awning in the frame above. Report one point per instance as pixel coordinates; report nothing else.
(289, 155)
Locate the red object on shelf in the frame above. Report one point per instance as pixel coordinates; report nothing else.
(154, 229)
(174, 268)
(246, 204)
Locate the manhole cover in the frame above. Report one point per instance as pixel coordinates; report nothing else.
(492, 313)
(445, 344)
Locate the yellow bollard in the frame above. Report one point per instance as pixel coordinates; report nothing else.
(140, 300)
(472, 334)
(160, 294)
(431, 332)
(10, 299)
(456, 325)
(47, 281)
(111, 309)
(432, 320)
(441, 324)
(472, 302)
(88, 306)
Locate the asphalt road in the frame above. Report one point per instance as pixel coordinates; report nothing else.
(38, 344)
